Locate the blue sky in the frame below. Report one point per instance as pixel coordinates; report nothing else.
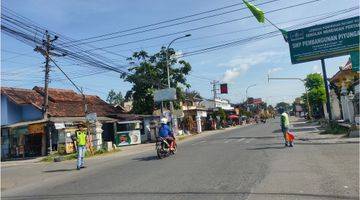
(240, 66)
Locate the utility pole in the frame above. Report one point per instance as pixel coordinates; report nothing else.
(45, 50)
(214, 90)
(328, 107)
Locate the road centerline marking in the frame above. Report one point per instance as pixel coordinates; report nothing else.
(249, 140)
(239, 140)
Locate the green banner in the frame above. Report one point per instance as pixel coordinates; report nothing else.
(324, 40)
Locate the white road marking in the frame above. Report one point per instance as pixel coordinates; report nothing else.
(239, 140)
(248, 141)
(226, 141)
(201, 142)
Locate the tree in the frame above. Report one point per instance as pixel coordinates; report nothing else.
(114, 98)
(283, 106)
(149, 73)
(221, 113)
(316, 91)
(192, 96)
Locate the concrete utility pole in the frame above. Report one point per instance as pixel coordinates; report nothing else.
(307, 95)
(214, 90)
(45, 50)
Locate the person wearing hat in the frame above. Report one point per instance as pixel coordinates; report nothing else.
(80, 144)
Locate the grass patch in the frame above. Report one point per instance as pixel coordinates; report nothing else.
(181, 137)
(335, 129)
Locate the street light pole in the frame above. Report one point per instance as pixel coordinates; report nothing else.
(174, 121)
(248, 89)
(246, 93)
(306, 92)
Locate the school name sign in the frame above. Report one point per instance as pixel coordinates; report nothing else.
(324, 41)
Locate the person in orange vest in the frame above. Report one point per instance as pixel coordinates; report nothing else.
(80, 144)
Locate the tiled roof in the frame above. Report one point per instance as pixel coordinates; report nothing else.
(344, 70)
(22, 96)
(62, 103)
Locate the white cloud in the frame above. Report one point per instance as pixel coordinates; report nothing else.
(231, 74)
(246, 61)
(177, 54)
(276, 69)
(316, 68)
(241, 64)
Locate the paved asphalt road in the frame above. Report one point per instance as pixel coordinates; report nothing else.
(242, 163)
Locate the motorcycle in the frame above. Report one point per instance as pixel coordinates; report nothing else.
(163, 148)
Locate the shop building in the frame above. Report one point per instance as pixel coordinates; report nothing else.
(24, 132)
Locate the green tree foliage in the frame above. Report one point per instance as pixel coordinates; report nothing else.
(221, 113)
(114, 98)
(316, 91)
(149, 73)
(314, 80)
(191, 97)
(283, 106)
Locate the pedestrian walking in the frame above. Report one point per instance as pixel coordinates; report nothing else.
(285, 124)
(80, 144)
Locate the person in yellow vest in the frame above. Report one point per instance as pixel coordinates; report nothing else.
(285, 124)
(80, 144)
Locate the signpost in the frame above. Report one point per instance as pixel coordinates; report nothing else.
(324, 41)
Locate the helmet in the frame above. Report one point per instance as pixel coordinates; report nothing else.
(164, 120)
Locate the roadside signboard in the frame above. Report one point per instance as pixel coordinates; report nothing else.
(91, 117)
(168, 94)
(59, 125)
(324, 41)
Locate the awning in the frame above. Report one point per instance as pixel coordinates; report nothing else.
(24, 123)
(233, 117)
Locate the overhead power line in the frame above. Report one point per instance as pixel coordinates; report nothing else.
(161, 22)
(197, 28)
(162, 27)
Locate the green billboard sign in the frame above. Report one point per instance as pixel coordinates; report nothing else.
(324, 40)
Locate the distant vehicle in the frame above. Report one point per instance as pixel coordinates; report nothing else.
(163, 148)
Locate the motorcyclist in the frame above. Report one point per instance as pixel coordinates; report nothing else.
(165, 132)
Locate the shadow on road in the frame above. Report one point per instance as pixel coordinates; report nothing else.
(188, 195)
(235, 138)
(59, 170)
(264, 148)
(319, 143)
(147, 158)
